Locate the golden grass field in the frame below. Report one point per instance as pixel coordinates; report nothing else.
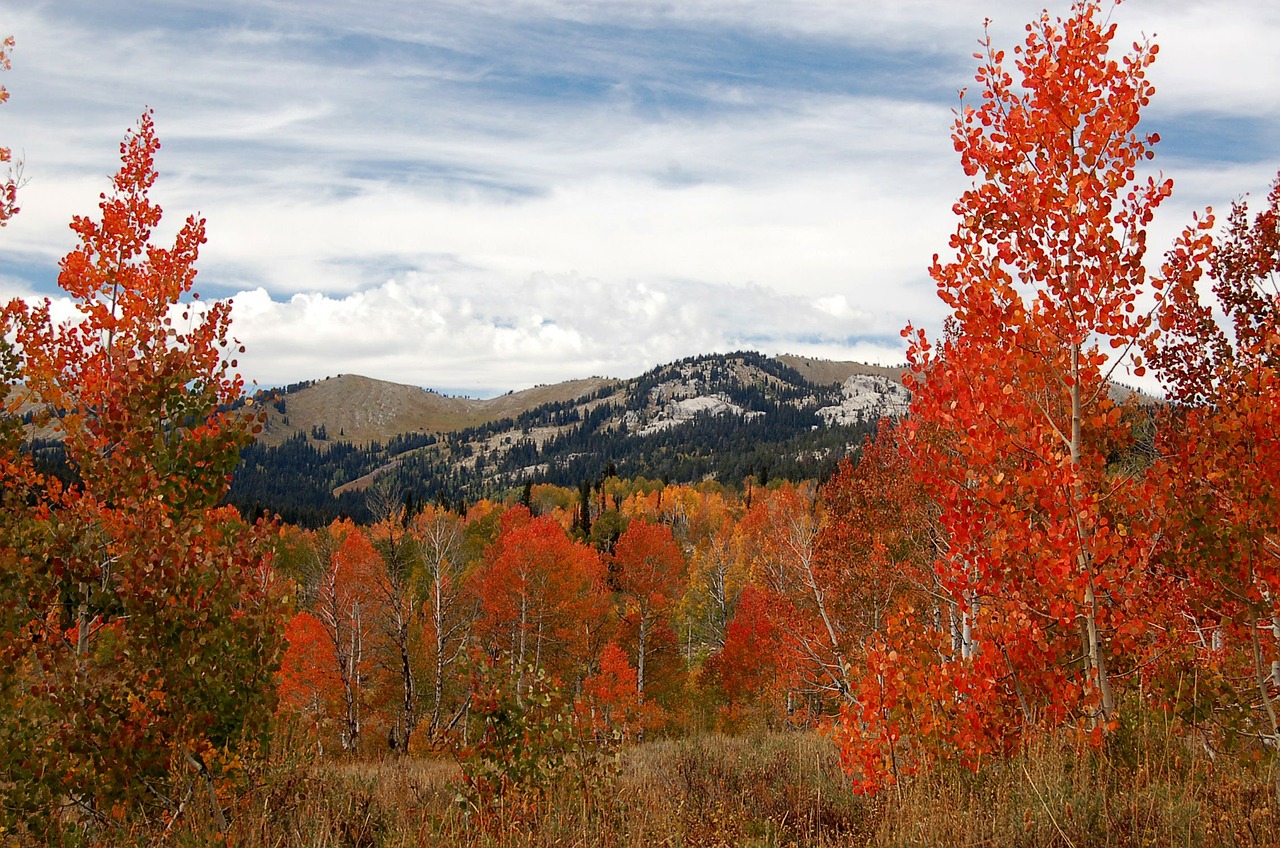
(1148, 788)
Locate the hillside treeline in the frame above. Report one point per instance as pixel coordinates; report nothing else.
(296, 480)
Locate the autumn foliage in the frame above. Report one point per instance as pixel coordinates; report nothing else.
(1083, 544)
(541, 598)
(141, 620)
(1216, 486)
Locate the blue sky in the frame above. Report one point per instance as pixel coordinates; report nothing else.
(482, 196)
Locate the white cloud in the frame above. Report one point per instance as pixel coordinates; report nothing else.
(495, 337)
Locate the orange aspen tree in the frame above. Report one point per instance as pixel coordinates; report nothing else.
(542, 600)
(650, 575)
(808, 593)
(348, 606)
(1013, 421)
(309, 683)
(152, 616)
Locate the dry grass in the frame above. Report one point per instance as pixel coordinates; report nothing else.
(1143, 790)
(777, 790)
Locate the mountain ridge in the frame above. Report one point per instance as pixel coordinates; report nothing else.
(718, 417)
(362, 409)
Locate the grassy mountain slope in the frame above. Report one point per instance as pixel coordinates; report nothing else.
(824, 371)
(361, 410)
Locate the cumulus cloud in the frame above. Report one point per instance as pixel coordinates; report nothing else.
(494, 337)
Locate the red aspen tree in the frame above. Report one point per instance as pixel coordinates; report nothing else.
(1013, 420)
(1220, 457)
(880, 536)
(745, 670)
(610, 702)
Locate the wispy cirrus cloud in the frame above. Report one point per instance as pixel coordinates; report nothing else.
(483, 194)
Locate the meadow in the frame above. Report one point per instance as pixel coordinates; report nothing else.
(1149, 786)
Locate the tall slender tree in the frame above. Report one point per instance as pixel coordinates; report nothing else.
(1047, 270)
(650, 574)
(448, 609)
(1013, 421)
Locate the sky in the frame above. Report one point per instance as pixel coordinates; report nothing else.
(487, 195)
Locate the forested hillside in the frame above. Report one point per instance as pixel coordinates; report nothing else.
(717, 417)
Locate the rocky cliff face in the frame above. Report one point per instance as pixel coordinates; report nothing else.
(865, 398)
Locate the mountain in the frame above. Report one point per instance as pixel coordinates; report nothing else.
(360, 409)
(721, 417)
